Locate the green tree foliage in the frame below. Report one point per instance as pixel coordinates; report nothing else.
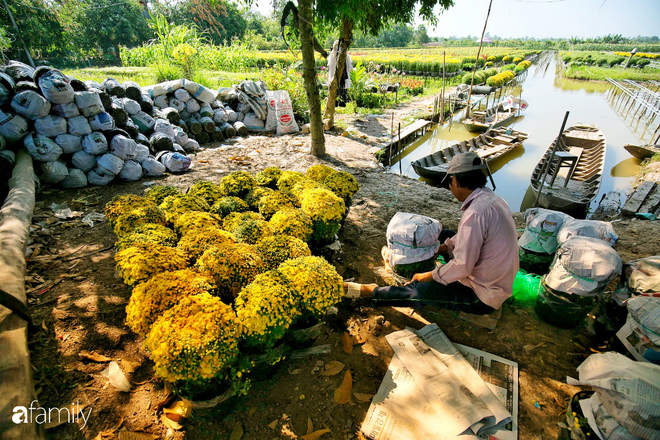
(222, 22)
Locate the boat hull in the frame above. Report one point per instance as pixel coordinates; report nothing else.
(642, 151)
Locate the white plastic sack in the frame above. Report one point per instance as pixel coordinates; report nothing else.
(192, 106)
(111, 163)
(68, 110)
(50, 125)
(161, 101)
(588, 228)
(142, 139)
(206, 111)
(95, 143)
(178, 148)
(220, 116)
(584, 266)
(123, 147)
(182, 95)
(151, 167)
(163, 88)
(131, 171)
(253, 123)
(144, 122)
(30, 105)
(644, 275)
(70, 143)
(141, 153)
(13, 127)
(175, 162)
(76, 179)
(79, 126)
(53, 172)
(89, 103)
(199, 92)
(542, 227)
(147, 98)
(284, 112)
(102, 122)
(131, 106)
(176, 104)
(83, 161)
(191, 145)
(232, 116)
(99, 176)
(55, 87)
(164, 126)
(412, 238)
(271, 117)
(41, 148)
(180, 137)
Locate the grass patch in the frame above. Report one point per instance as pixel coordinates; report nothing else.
(617, 73)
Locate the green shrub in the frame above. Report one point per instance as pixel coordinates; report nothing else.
(489, 64)
(643, 62)
(507, 67)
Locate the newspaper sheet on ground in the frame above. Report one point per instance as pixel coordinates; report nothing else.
(431, 391)
(601, 422)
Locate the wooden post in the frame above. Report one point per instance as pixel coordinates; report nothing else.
(398, 148)
(467, 111)
(443, 87)
(549, 161)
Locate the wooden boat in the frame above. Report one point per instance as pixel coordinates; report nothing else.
(574, 184)
(495, 116)
(489, 146)
(642, 151)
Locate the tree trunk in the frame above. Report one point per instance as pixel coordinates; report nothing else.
(309, 76)
(347, 35)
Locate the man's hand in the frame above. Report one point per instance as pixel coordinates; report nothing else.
(442, 249)
(421, 277)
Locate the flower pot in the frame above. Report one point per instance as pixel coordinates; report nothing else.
(303, 335)
(562, 309)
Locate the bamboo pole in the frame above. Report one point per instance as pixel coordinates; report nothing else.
(549, 161)
(18, 33)
(398, 148)
(476, 63)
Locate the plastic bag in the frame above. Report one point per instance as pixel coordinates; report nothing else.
(142, 139)
(13, 127)
(164, 88)
(79, 126)
(160, 142)
(123, 147)
(6, 89)
(192, 106)
(68, 110)
(95, 143)
(144, 122)
(199, 92)
(646, 311)
(412, 238)
(117, 377)
(253, 123)
(111, 163)
(151, 167)
(55, 87)
(175, 162)
(271, 116)
(206, 111)
(180, 137)
(176, 104)
(178, 148)
(69, 143)
(643, 275)
(171, 114)
(220, 116)
(76, 179)
(284, 112)
(240, 128)
(141, 153)
(182, 95)
(131, 106)
(50, 125)
(83, 161)
(133, 90)
(562, 309)
(163, 126)
(99, 176)
(161, 101)
(53, 172)
(584, 266)
(587, 228)
(114, 87)
(89, 103)
(192, 145)
(102, 122)
(541, 229)
(526, 287)
(232, 116)
(131, 171)
(30, 105)
(41, 148)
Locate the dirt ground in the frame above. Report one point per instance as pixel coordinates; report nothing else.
(78, 304)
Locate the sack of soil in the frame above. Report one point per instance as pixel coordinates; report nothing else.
(587, 228)
(30, 105)
(206, 111)
(53, 172)
(163, 88)
(203, 138)
(144, 122)
(102, 122)
(182, 124)
(253, 123)
(79, 126)
(6, 89)
(180, 136)
(164, 126)
(131, 171)
(411, 239)
(182, 95)
(541, 229)
(141, 153)
(99, 176)
(171, 114)
(284, 111)
(131, 129)
(41, 148)
(174, 162)
(55, 87)
(111, 163)
(192, 145)
(95, 143)
(76, 179)
(207, 124)
(123, 147)
(271, 116)
(161, 101)
(176, 104)
(199, 92)
(146, 104)
(217, 135)
(216, 104)
(584, 266)
(194, 126)
(142, 139)
(68, 110)
(118, 113)
(89, 103)
(131, 106)
(83, 161)
(240, 128)
(643, 276)
(133, 90)
(19, 71)
(77, 85)
(220, 116)
(192, 106)
(229, 130)
(50, 125)
(69, 143)
(161, 142)
(26, 86)
(114, 88)
(13, 127)
(178, 148)
(152, 168)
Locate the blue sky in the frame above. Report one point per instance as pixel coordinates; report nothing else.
(544, 18)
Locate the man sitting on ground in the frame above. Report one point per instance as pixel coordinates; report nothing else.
(484, 252)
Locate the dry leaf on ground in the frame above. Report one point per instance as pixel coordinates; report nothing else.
(130, 366)
(343, 393)
(93, 356)
(310, 426)
(169, 423)
(347, 343)
(332, 368)
(273, 424)
(237, 432)
(361, 397)
(315, 435)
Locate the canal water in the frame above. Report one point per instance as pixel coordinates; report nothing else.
(549, 97)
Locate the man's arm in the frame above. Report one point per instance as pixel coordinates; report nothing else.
(466, 251)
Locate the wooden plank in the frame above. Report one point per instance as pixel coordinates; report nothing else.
(636, 200)
(652, 201)
(409, 130)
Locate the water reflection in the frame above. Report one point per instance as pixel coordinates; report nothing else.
(626, 168)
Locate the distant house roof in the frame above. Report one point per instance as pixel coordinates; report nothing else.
(485, 40)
